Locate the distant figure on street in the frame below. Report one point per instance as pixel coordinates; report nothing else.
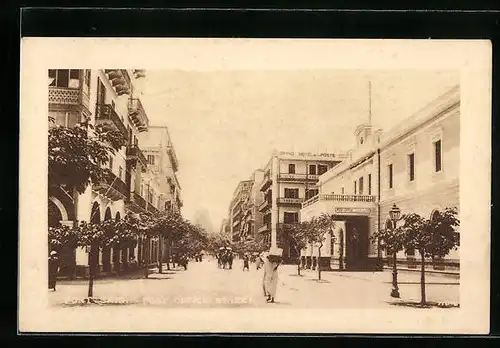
(184, 261)
(259, 262)
(270, 279)
(246, 260)
(53, 269)
(132, 261)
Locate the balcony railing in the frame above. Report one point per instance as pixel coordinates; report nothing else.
(120, 80)
(113, 188)
(135, 153)
(141, 202)
(105, 113)
(68, 96)
(283, 200)
(266, 182)
(338, 198)
(264, 205)
(297, 177)
(137, 114)
(264, 228)
(152, 208)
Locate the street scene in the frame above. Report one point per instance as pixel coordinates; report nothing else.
(204, 285)
(319, 189)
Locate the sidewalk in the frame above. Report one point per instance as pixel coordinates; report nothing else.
(440, 288)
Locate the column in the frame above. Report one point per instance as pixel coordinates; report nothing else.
(274, 202)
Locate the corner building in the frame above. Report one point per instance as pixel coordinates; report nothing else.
(289, 179)
(415, 165)
(104, 96)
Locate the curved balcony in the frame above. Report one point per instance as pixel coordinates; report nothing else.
(136, 203)
(266, 205)
(134, 153)
(266, 182)
(264, 229)
(137, 114)
(105, 113)
(120, 80)
(113, 188)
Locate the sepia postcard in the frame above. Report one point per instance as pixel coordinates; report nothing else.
(254, 186)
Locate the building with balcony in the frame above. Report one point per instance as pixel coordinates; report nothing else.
(415, 165)
(95, 97)
(238, 207)
(289, 179)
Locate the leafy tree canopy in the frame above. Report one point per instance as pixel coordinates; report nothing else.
(77, 156)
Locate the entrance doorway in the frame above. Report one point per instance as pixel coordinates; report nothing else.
(357, 242)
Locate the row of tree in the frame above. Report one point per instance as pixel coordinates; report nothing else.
(170, 230)
(77, 157)
(432, 238)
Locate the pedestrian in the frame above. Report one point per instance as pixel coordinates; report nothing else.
(270, 279)
(258, 262)
(53, 269)
(245, 262)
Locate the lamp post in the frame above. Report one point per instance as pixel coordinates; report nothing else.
(395, 215)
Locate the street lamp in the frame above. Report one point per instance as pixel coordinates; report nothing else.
(395, 216)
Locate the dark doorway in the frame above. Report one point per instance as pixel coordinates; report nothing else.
(357, 243)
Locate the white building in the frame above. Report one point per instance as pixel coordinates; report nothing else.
(104, 96)
(415, 166)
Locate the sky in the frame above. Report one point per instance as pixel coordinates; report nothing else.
(225, 124)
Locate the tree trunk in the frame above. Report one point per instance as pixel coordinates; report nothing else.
(160, 254)
(422, 279)
(319, 264)
(145, 249)
(76, 195)
(92, 251)
(298, 263)
(168, 253)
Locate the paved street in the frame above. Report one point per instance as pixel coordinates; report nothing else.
(205, 285)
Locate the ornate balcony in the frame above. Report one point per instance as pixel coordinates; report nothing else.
(287, 177)
(264, 228)
(266, 182)
(120, 80)
(338, 198)
(134, 153)
(106, 114)
(152, 208)
(290, 201)
(113, 187)
(358, 205)
(136, 203)
(62, 98)
(266, 205)
(137, 114)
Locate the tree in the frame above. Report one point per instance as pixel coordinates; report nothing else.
(432, 238)
(145, 226)
(96, 236)
(167, 225)
(298, 233)
(317, 230)
(77, 156)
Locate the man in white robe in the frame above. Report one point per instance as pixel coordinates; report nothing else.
(270, 280)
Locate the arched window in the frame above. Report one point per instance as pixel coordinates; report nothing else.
(107, 214)
(117, 216)
(95, 215)
(55, 215)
